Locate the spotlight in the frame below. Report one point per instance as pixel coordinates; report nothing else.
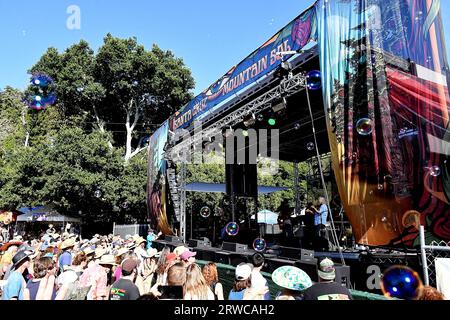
(284, 70)
(279, 105)
(297, 126)
(260, 117)
(250, 120)
(272, 121)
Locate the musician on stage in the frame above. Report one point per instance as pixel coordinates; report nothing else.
(320, 218)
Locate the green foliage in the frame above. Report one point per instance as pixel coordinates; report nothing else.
(77, 146)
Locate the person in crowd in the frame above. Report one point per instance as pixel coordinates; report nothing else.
(107, 262)
(152, 237)
(294, 282)
(327, 288)
(196, 287)
(42, 268)
(180, 250)
(242, 282)
(176, 276)
(149, 269)
(258, 280)
(96, 278)
(65, 259)
(188, 257)
(163, 266)
(15, 286)
(140, 248)
(125, 288)
(211, 276)
(6, 261)
(430, 293)
(120, 256)
(79, 263)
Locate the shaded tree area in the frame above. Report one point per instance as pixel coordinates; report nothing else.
(86, 153)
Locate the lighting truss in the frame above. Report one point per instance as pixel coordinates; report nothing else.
(287, 87)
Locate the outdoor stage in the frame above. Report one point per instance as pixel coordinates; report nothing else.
(361, 271)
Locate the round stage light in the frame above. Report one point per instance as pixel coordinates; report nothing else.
(297, 126)
(314, 80)
(259, 244)
(232, 229)
(205, 212)
(364, 126)
(310, 146)
(260, 117)
(272, 121)
(401, 282)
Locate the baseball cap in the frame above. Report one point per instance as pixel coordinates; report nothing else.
(326, 269)
(180, 250)
(129, 264)
(243, 271)
(187, 254)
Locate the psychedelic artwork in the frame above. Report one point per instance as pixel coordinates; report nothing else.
(384, 81)
(157, 188)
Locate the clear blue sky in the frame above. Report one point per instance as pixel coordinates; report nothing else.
(211, 36)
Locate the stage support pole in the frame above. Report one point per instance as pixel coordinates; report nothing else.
(297, 188)
(183, 201)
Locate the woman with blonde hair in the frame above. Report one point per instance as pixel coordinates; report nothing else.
(212, 279)
(196, 287)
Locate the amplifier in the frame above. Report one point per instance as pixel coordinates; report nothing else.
(310, 267)
(173, 239)
(343, 275)
(234, 247)
(195, 243)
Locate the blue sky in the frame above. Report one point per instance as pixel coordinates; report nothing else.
(211, 36)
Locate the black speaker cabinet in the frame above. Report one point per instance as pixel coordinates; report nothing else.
(310, 267)
(234, 247)
(241, 180)
(173, 239)
(195, 243)
(343, 275)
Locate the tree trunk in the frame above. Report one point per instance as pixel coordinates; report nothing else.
(101, 125)
(24, 123)
(129, 153)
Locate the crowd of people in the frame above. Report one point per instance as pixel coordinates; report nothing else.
(64, 267)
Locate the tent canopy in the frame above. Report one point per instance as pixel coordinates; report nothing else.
(221, 188)
(44, 214)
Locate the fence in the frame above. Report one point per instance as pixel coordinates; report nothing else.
(429, 254)
(227, 274)
(130, 229)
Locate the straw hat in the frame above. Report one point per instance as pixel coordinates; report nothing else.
(139, 240)
(99, 252)
(68, 243)
(180, 250)
(292, 278)
(150, 253)
(122, 251)
(88, 251)
(108, 259)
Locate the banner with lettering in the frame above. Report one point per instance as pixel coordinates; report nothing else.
(295, 36)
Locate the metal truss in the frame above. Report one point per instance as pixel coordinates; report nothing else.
(287, 87)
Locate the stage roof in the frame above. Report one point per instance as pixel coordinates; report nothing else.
(221, 188)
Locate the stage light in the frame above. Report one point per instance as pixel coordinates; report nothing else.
(260, 117)
(245, 133)
(250, 120)
(279, 106)
(272, 121)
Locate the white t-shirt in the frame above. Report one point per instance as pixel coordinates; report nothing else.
(258, 281)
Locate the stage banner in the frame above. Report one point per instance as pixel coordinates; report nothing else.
(156, 186)
(384, 80)
(295, 36)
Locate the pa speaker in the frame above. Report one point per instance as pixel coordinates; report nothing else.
(241, 180)
(343, 275)
(234, 247)
(173, 239)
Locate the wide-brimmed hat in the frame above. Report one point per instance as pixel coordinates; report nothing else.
(21, 256)
(179, 250)
(89, 250)
(122, 251)
(131, 245)
(139, 240)
(292, 278)
(150, 253)
(108, 259)
(326, 269)
(99, 252)
(10, 244)
(68, 243)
